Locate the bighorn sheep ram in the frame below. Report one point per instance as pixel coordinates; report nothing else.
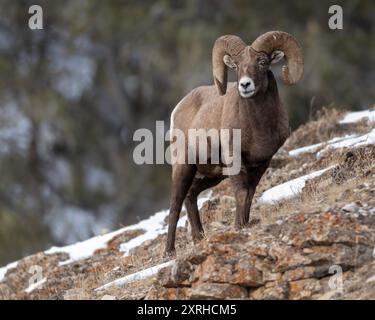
(252, 104)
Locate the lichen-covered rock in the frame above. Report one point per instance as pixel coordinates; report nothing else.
(304, 230)
(181, 272)
(220, 270)
(277, 291)
(218, 291)
(304, 289)
(157, 293)
(291, 262)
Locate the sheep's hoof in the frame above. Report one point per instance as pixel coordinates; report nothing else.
(253, 222)
(249, 224)
(170, 253)
(239, 227)
(197, 238)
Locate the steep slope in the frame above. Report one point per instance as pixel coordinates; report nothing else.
(311, 236)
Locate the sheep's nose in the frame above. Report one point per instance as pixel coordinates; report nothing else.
(245, 84)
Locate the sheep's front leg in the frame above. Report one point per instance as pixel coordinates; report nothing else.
(196, 188)
(254, 174)
(244, 185)
(182, 177)
(241, 192)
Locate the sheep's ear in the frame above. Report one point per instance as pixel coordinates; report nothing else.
(276, 56)
(229, 62)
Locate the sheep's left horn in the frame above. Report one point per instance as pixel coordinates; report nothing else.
(231, 45)
(279, 40)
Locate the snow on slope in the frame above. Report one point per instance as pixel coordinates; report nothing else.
(351, 117)
(153, 232)
(35, 285)
(5, 269)
(293, 187)
(84, 249)
(345, 141)
(357, 141)
(136, 276)
(153, 227)
(288, 189)
(314, 147)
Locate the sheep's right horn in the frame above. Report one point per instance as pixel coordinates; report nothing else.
(279, 40)
(231, 45)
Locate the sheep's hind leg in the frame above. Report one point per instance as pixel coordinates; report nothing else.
(198, 186)
(182, 177)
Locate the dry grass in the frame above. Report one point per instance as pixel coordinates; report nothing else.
(325, 128)
(356, 169)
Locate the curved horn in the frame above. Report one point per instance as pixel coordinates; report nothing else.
(279, 40)
(231, 45)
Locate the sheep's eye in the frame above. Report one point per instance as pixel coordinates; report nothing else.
(262, 62)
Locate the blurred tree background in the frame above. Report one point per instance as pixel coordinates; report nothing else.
(72, 94)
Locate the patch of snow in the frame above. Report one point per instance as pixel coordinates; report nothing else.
(203, 199)
(182, 221)
(149, 272)
(85, 249)
(307, 149)
(371, 279)
(358, 116)
(35, 285)
(356, 141)
(345, 141)
(314, 147)
(288, 189)
(5, 269)
(108, 297)
(153, 227)
(156, 227)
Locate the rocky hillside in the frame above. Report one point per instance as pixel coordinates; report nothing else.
(311, 236)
